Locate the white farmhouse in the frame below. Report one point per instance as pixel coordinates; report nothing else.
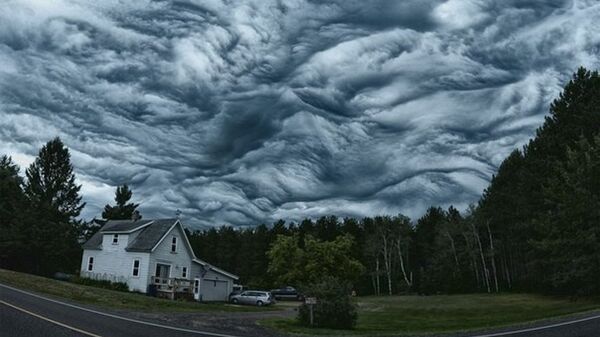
(151, 254)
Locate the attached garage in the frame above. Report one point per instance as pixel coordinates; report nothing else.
(211, 283)
(215, 290)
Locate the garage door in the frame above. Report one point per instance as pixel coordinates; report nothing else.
(214, 290)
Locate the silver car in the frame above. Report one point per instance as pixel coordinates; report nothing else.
(253, 297)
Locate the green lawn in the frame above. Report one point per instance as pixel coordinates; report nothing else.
(109, 298)
(408, 315)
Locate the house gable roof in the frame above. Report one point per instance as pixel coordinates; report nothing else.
(151, 231)
(151, 235)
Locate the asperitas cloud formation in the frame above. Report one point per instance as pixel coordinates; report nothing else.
(243, 112)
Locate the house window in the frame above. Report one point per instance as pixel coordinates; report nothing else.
(116, 239)
(90, 263)
(184, 272)
(174, 245)
(136, 267)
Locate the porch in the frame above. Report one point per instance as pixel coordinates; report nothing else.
(173, 288)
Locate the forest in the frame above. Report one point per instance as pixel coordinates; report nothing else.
(535, 228)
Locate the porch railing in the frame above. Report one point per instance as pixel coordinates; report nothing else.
(172, 287)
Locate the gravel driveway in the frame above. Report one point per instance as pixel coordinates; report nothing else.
(234, 323)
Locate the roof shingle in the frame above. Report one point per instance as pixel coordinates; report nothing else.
(95, 242)
(144, 242)
(123, 225)
(150, 235)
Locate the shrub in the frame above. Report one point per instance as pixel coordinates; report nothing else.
(118, 286)
(334, 308)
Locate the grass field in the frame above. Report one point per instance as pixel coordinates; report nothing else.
(395, 315)
(408, 315)
(109, 298)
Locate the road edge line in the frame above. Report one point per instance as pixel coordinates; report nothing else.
(49, 319)
(199, 332)
(544, 327)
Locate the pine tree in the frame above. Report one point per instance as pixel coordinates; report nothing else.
(538, 207)
(567, 248)
(13, 210)
(53, 230)
(123, 210)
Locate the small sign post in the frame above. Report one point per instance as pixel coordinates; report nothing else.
(311, 301)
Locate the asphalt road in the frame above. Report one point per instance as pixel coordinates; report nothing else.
(588, 326)
(27, 314)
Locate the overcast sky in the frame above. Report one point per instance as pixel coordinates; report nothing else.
(242, 112)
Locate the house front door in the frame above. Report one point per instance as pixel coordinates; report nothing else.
(197, 289)
(162, 272)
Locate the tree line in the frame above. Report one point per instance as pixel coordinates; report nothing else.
(535, 228)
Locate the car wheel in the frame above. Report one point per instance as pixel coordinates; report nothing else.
(259, 303)
(234, 301)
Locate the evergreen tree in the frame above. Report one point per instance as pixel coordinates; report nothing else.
(54, 196)
(13, 211)
(426, 232)
(123, 210)
(527, 212)
(567, 246)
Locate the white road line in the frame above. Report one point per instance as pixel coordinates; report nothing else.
(507, 333)
(514, 332)
(50, 320)
(198, 332)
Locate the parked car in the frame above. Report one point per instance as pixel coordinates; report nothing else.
(253, 297)
(287, 293)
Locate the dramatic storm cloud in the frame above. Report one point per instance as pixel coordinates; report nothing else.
(243, 112)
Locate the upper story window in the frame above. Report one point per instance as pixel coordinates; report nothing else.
(90, 263)
(174, 245)
(136, 268)
(184, 272)
(116, 239)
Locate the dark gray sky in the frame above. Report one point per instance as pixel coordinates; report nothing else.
(239, 112)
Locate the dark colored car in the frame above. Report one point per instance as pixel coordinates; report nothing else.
(287, 293)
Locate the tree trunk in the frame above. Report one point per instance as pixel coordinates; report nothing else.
(387, 262)
(374, 277)
(473, 259)
(485, 270)
(389, 279)
(453, 246)
(493, 256)
(377, 273)
(399, 246)
(506, 271)
(373, 283)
